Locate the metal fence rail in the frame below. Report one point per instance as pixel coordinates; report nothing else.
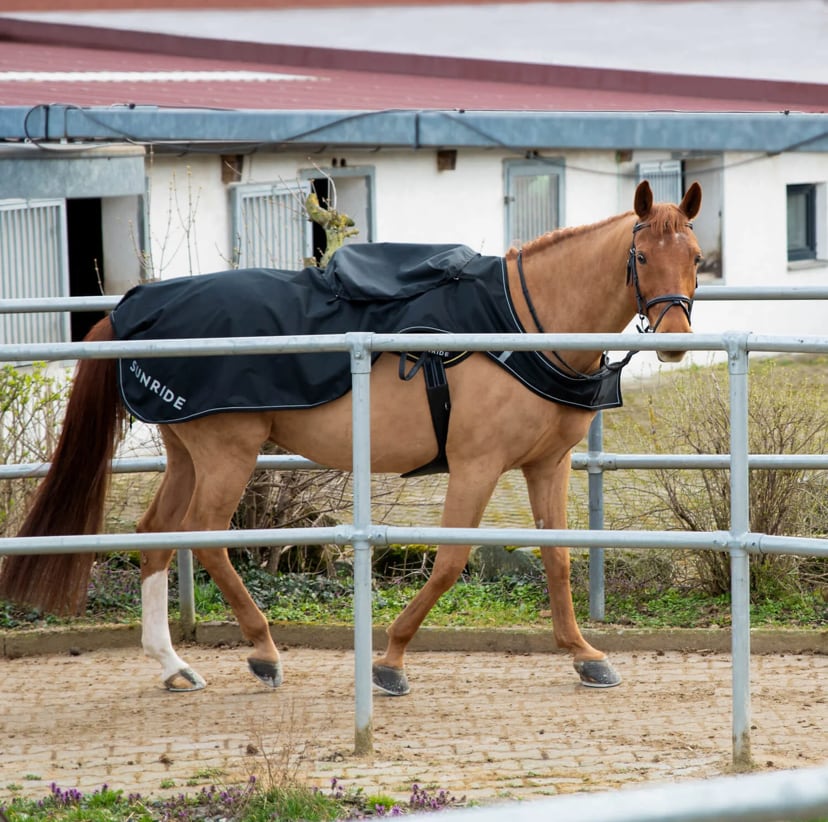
(767, 797)
(362, 534)
(704, 293)
(140, 465)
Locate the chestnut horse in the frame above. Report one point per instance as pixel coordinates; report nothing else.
(569, 280)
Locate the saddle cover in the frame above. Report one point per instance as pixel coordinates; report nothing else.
(380, 287)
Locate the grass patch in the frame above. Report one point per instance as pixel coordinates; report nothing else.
(239, 803)
(637, 595)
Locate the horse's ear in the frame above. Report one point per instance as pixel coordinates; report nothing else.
(643, 199)
(691, 204)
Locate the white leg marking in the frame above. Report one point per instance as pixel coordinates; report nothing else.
(155, 633)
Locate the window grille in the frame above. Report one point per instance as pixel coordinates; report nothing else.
(270, 227)
(665, 178)
(34, 263)
(533, 195)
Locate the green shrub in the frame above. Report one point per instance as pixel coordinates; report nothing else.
(32, 403)
(688, 412)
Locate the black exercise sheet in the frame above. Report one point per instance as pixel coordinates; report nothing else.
(380, 287)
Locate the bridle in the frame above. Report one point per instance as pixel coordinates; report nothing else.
(669, 300)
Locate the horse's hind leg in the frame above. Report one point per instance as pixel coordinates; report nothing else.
(155, 638)
(264, 662)
(224, 450)
(165, 514)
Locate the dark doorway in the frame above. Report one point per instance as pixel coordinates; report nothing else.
(86, 263)
(319, 240)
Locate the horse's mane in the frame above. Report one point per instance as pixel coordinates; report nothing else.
(664, 218)
(551, 238)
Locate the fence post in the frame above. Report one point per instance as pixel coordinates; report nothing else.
(595, 475)
(186, 593)
(737, 361)
(363, 651)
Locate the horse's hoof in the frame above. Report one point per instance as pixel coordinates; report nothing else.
(268, 672)
(597, 673)
(184, 680)
(392, 681)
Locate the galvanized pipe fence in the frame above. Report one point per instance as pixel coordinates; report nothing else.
(766, 797)
(362, 534)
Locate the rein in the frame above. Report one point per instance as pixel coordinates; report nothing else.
(670, 300)
(540, 328)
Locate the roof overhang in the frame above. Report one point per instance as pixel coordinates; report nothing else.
(183, 129)
(66, 171)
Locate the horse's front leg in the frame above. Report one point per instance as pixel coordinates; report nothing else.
(389, 669)
(466, 498)
(548, 485)
(155, 627)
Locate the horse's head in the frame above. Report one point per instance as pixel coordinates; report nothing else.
(663, 263)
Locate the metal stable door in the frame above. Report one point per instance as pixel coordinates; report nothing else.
(34, 262)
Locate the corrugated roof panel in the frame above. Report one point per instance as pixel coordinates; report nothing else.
(332, 88)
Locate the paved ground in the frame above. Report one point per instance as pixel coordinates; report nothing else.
(487, 725)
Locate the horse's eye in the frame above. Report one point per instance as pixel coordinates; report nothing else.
(640, 257)
(699, 259)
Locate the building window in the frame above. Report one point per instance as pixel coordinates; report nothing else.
(802, 222)
(534, 193)
(665, 180)
(270, 227)
(349, 190)
(34, 262)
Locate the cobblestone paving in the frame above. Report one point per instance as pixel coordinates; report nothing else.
(486, 725)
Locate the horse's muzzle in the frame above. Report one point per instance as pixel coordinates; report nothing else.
(671, 356)
(672, 322)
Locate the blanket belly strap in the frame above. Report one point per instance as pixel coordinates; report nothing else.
(439, 403)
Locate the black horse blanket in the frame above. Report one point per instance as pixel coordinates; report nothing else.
(380, 287)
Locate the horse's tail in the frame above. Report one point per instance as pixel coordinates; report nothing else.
(71, 498)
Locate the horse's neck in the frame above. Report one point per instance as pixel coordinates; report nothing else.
(576, 283)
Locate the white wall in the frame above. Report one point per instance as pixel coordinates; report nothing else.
(414, 201)
(188, 216)
(417, 203)
(592, 190)
(754, 244)
(121, 225)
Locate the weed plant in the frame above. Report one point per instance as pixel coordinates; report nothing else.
(115, 587)
(249, 802)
